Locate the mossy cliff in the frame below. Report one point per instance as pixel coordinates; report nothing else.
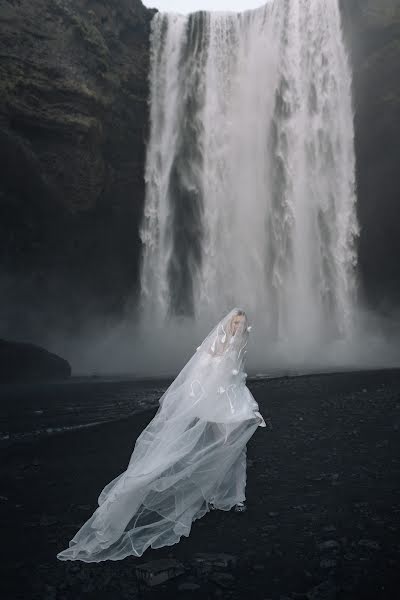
(73, 119)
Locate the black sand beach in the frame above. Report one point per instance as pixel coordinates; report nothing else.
(323, 518)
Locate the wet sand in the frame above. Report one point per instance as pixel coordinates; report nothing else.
(323, 510)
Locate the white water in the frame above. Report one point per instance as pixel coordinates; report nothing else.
(251, 177)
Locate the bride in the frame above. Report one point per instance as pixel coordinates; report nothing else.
(191, 457)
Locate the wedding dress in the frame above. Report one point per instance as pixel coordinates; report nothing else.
(190, 456)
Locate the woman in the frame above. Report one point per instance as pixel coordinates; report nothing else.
(191, 457)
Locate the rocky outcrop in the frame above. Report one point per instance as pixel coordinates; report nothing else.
(73, 119)
(26, 362)
(372, 33)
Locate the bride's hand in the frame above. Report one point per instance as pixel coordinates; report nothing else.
(262, 423)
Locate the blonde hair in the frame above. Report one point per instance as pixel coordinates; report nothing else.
(239, 313)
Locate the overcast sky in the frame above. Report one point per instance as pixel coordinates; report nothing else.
(185, 6)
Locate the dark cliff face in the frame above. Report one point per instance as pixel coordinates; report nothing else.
(73, 124)
(372, 33)
(26, 362)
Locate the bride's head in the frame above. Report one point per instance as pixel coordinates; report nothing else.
(238, 322)
(231, 333)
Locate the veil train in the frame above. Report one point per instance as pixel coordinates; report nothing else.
(191, 454)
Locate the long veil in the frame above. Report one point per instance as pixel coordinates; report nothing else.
(192, 452)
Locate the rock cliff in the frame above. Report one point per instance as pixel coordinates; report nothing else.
(73, 118)
(372, 33)
(26, 362)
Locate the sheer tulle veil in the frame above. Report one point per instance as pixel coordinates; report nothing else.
(192, 452)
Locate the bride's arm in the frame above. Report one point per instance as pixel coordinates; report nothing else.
(218, 350)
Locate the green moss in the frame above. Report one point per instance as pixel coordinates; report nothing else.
(85, 27)
(14, 79)
(91, 35)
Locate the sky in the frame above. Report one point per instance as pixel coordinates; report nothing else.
(186, 6)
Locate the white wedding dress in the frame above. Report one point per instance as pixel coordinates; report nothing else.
(191, 454)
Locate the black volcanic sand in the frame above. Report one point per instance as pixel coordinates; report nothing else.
(323, 516)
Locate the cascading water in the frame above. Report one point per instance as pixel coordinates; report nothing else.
(250, 179)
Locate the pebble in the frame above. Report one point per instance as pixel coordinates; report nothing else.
(329, 545)
(158, 571)
(327, 563)
(324, 591)
(224, 580)
(329, 528)
(188, 587)
(349, 556)
(371, 544)
(46, 521)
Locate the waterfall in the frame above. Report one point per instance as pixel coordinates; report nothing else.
(250, 173)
